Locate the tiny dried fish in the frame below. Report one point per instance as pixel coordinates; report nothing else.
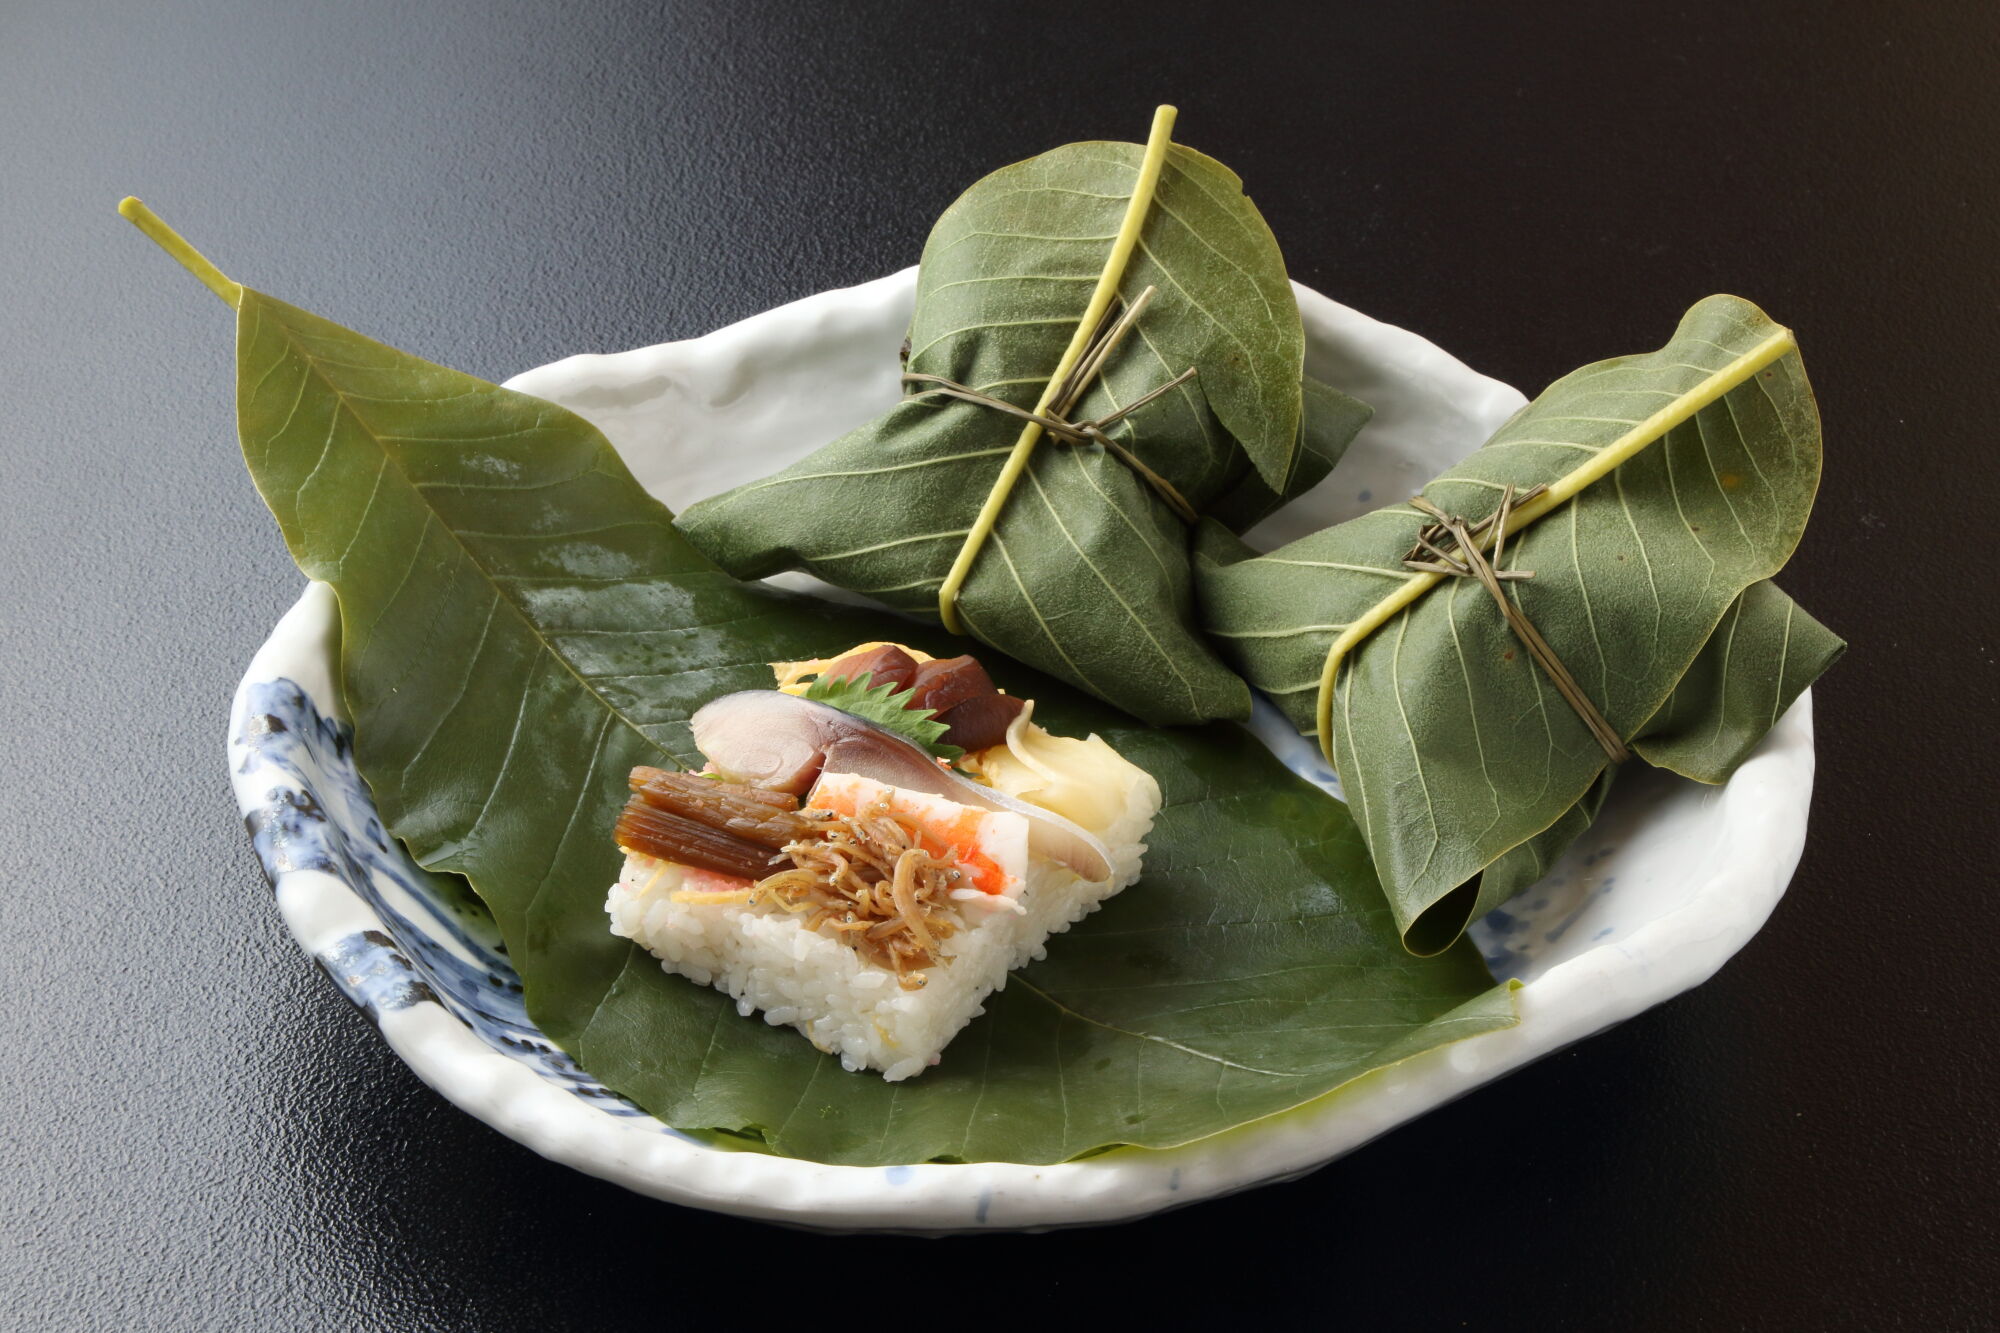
(866, 878)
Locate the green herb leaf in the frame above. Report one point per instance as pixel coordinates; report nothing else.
(1457, 754)
(1086, 575)
(886, 707)
(521, 624)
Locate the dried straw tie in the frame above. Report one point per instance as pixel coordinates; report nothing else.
(1468, 561)
(1054, 420)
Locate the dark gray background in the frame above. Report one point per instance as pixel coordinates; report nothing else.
(196, 1132)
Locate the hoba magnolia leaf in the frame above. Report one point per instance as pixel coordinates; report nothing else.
(1085, 573)
(521, 624)
(1679, 483)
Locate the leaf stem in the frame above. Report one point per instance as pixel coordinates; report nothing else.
(1740, 371)
(189, 258)
(1157, 143)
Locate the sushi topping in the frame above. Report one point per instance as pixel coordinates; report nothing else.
(981, 721)
(867, 878)
(650, 831)
(867, 875)
(888, 708)
(884, 664)
(958, 693)
(944, 683)
(777, 740)
(755, 813)
(954, 692)
(770, 739)
(699, 821)
(871, 871)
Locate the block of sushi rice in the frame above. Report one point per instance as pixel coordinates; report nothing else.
(803, 968)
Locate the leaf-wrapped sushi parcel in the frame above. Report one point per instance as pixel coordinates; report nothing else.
(1675, 485)
(1072, 554)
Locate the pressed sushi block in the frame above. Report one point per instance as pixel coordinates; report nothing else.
(830, 871)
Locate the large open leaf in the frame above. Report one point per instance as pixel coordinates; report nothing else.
(1693, 470)
(1086, 574)
(1254, 967)
(521, 624)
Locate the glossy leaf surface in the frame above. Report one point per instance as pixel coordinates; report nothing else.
(522, 624)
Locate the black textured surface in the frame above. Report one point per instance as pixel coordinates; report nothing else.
(196, 1132)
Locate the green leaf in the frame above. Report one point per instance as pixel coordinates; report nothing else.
(885, 706)
(1457, 754)
(1328, 422)
(1760, 658)
(1086, 575)
(1253, 968)
(521, 624)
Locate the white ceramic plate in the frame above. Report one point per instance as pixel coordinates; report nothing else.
(1672, 880)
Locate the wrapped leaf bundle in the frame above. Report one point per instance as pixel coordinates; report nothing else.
(1068, 289)
(1677, 483)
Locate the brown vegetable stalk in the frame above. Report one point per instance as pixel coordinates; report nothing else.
(653, 832)
(752, 813)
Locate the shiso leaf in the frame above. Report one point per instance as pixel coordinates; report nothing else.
(1696, 466)
(521, 624)
(886, 707)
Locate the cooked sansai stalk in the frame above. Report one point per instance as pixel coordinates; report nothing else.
(1677, 483)
(726, 827)
(755, 813)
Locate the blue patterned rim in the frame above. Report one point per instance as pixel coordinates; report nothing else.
(438, 942)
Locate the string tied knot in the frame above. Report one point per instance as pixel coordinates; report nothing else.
(1465, 558)
(1054, 419)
